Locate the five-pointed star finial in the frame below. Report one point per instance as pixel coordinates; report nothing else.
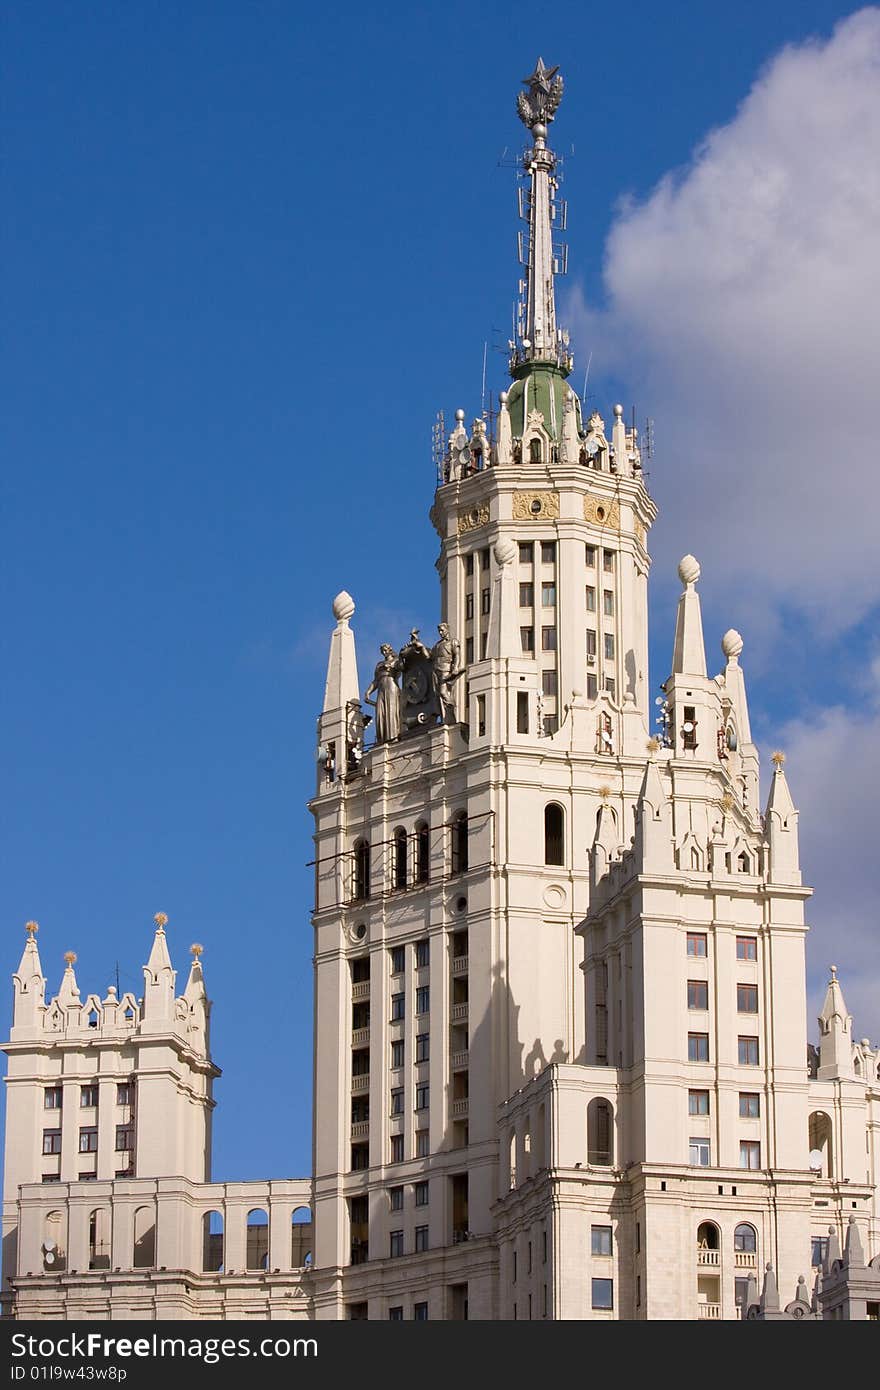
(541, 78)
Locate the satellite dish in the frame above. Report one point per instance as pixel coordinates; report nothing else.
(607, 737)
(816, 1160)
(688, 728)
(526, 342)
(49, 1258)
(322, 753)
(658, 700)
(49, 1246)
(592, 447)
(731, 740)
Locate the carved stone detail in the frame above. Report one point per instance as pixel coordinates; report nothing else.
(473, 518)
(640, 532)
(601, 511)
(535, 506)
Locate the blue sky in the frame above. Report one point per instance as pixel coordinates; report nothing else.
(250, 250)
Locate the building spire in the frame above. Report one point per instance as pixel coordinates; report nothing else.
(537, 337)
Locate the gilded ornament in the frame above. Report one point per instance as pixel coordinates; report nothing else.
(535, 506)
(161, 920)
(472, 518)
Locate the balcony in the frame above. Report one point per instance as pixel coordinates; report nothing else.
(360, 990)
(459, 1013)
(460, 1109)
(459, 1060)
(708, 1257)
(361, 1083)
(360, 1037)
(459, 965)
(709, 1312)
(360, 1129)
(745, 1259)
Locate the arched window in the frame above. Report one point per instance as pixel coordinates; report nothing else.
(423, 853)
(361, 869)
(212, 1242)
(99, 1238)
(257, 1245)
(821, 1158)
(534, 450)
(55, 1242)
(554, 834)
(300, 1237)
(600, 1133)
(400, 858)
(745, 1239)
(708, 1236)
(742, 863)
(144, 1238)
(460, 843)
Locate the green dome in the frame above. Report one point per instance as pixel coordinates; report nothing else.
(539, 386)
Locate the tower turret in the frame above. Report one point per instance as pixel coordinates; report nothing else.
(29, 987)
(835, 1033)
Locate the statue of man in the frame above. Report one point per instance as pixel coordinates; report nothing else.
(445, 657)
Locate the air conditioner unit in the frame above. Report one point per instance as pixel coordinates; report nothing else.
(591, 660)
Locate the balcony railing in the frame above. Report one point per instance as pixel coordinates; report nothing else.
(360, 990)
(459, 1013)
(708, 1257)
(460, 1108)
(360, 1036)
(360, 1129)
(360, 1083)
(709, 1312)
(745, 1259)
(459, 965)
(460, 1060)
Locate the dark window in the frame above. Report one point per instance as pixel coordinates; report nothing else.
(469, 650)
(696, 943)
(123, 1093)
(88, 1140)
(747, 999)
(548, 552)
(549, 682)
(592, 688)
(548, 595)
(740, 1290)
(51, 1141)
(362, 869)
(420, 1312)
(591, 599)
(698, 1047)
(527, 639)
(745, 1238)
(420, 1193)
(522, 710)
(423, 1093)
(689, 727)
(747, 1052)
(468, 606)
(698, 994)
(746, 948)
(591, 642)
(554, 832)
(397, 1148)
(526, 552)
(591, 557)
(422, 1047)
(53, 1098)
(88, 1097)
(395, 1314)
(609, 647)
(603, 1293)
(396, 1244)
(421, 1234)
(422, 854)
(423, 951)
(534, 451)
(397, 1100)
(395, 1196)
(360, 1157)
(400, 858)
(548, 639)
(818, 1250)
(698, 1102)
(397, 1054)
(484, 559)
(485, 600)
(600, 1240)
(460, 843)
(749, 1105)
(468, 564)
(398, 1007)
(422, 1144)
(124, 1138)
(608, 561)
(423, 996)
(611, 687)
(526, 595)
(608, 603)
(360, 970)
(398, 959)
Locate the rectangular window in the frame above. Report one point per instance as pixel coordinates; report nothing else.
(481, 715)
(360, 1158)
(600, 1240)
(422, 1047)
(609, 646)
(51, 1177)
(608, 561)
(397, 1054)
(526, 552)
(397, 1148)
(548, 595)
(608, 603)
(522, 711)
(591, 643)
(740, 1291)
(124, 1138)
(548, 552)
(747, 999)
(591, 557)
(749, 1105)
(749, 1153)
(485, 600)
(420, 1193)
(396, 1244)
(88, 1140)
(88, 1097)
(395, 1197)
(698, 994)
(698, 1047)
(395, 1314)
(423, 1092)
(423, 951)
(548, 639)
(549, 683)
(422, 1148)
(420, 1312)
(818, 1250)
(610, 686)
(360, 1062)
(123, 1093)
(591, 599)
(592, 688)
(51, 1141)
(696, 943)
(398, 960)
(526, 595)
(603, 1293)
(747, 948)
(397, 1100)
(468, 606)
(423, 997)
(551, 724)
(699, 1153)
(638, 1236)
(468, 564)
(398, 1007)
(469, 649)
(747, 1049)
(421, 1234)
(698, 1102)
(484, 638)
(527, 640)
(53, 1097)
(484, 559)
(544, 1247)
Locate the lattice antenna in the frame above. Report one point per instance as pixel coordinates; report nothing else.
(648, 438)
(438, 446)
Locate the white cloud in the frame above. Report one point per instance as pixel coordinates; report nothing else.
(743, 296)
(833, 772)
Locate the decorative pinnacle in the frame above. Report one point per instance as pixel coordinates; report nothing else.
(161, 920)
(778, 759)
(544, 95)
(652, 745)
(32, 928)
(833, 974)
(196, 949)
(605, 793)
(70, 957)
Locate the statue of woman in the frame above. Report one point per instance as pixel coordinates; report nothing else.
(387, 701)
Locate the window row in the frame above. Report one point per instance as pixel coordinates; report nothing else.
(421, 1196)
(53, 1096)
(422, 1050)
(749, 1104)
(748, 1052)
(547, 554)
(88, 1139)
(746, 996)
(411, 857)
(746, 946)
(422, 1098)
(700, 1153)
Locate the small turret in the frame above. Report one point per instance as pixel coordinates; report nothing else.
(781, 828)
(28, 984)
(606, 841)
(688, 652)
(196, 997)
(68, 992)
(653, 840)
(159, 977)
(835, 1030)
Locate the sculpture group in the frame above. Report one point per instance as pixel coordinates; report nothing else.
(425, 694)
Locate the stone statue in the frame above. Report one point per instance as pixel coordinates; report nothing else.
(446, 669)
(387, 701)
